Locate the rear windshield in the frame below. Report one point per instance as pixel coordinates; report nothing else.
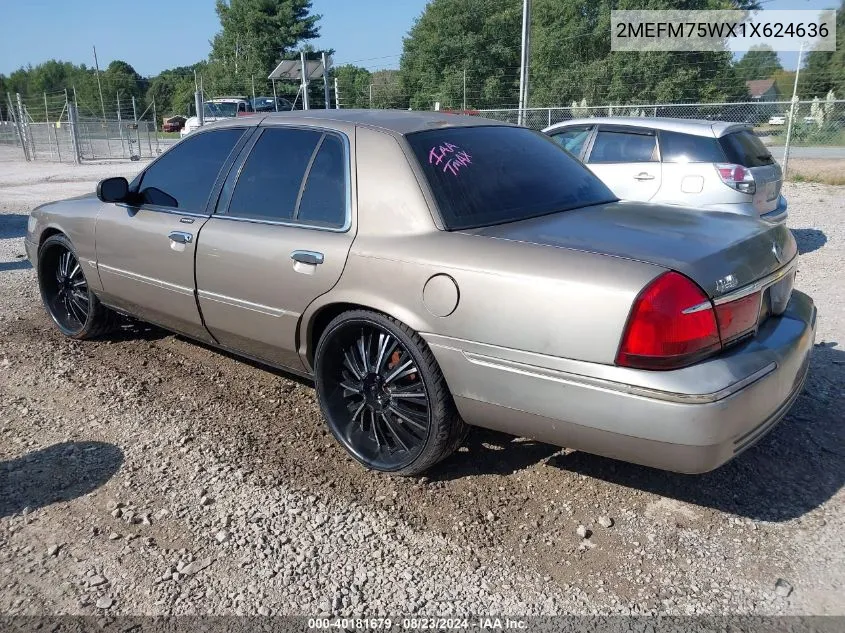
(743, 148)
(492, 175)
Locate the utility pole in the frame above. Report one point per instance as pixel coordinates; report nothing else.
(465, 91)
(99, 87)
(526, 55)
(253, 90)
(336, 96)
(792, 111)
(304, 73)
(326, 81)
(371, 96)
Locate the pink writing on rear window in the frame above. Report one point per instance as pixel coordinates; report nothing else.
(450, 157)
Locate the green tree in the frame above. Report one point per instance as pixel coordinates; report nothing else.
(353, 85)
(479, 37)
(570, 58)
(255, 35)
(121, 79)
(825, 70)
(759, 62)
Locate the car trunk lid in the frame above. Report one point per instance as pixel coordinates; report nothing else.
(721, 252)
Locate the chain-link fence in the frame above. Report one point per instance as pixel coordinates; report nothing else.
(813, 123)
(53, 126)
(50, 127)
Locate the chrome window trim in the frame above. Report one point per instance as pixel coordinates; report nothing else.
(347, 223)
(161, 209)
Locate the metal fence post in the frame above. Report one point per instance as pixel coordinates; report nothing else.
(73, 121)
(198, 104)
(120, 126)
(18, 127)
(155, 126)
(24, 128)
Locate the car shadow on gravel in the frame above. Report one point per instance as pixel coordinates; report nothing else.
(486, 452)
(60, 472)
(809, 240)
(19, 264)
(12, 225)
(797, 467)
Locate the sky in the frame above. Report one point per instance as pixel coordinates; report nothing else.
(153, 35)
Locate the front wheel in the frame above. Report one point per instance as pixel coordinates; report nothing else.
(72, 305)
(383, 395)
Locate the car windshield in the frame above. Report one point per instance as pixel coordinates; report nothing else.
(221, 109)
(496, 174)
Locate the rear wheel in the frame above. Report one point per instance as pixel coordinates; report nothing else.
(383, 395)
(72, 305)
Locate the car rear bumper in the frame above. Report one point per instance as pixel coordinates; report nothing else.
(690, 420)
(777, 215)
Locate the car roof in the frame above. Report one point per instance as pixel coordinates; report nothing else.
(396, 121)
(697, 127)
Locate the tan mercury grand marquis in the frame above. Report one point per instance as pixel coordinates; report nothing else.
(433, 271)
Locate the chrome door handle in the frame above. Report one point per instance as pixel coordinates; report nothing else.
(307, 257)
(180, 237)
(643, 176)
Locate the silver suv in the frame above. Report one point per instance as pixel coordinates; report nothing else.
(710, 165)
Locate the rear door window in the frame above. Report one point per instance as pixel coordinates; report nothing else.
(612, 146)
(676, 147)
(573, 139)
(323, 201)
(743, 148)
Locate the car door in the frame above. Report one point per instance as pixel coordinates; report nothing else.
(145, 251)
(627, 159)
(279, 240)
(574, 139)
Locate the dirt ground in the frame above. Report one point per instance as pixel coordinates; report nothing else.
(829, 171)
(146, 474)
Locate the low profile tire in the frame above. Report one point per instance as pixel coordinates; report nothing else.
(383, 395)
(71, 304)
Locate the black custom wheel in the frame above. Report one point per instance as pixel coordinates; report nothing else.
(383, 395)
(65, 292)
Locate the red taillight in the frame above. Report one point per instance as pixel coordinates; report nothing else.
(671, 325)
(737, 177)
(738, 317)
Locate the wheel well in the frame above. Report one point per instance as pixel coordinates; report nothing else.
(322, 319)
(49, 232)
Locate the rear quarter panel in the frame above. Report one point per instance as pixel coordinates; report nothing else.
(554, 301)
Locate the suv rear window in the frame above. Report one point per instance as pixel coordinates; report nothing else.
(495, 174)
(743, 148)
(676, 147)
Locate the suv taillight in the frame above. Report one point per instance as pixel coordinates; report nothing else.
(737, 177)
(674, 324)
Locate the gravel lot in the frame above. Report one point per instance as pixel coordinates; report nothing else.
(145, 474)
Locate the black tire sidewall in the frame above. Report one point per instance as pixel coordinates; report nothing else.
(437, 412)
(52, 242)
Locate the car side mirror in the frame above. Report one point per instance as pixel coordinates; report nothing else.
(113, 189)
